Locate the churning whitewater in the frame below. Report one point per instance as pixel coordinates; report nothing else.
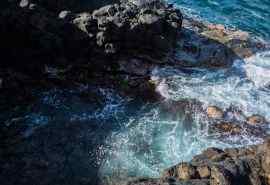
(142, 139)
(150, 143)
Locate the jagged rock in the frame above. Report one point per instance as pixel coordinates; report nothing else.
(203, 171)
(213, 46)
(264, 150)
(65, 15)
(249, 166)
(227, 127)
(214, 112)
(135, 66)
(209, 155)
(220, 176)
(224, 129)
(128, 28)
(24, 3)
(73, 5)
(186, 171)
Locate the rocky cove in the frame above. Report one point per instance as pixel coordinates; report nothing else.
(129, 92)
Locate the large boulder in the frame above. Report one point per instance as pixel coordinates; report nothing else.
(129, 28)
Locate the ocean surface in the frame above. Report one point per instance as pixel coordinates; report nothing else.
(120, 137)
(248, 15)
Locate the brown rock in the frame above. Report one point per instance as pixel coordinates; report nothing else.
(267, 178)
(214, 112)
(204, 171)
(186, 171)
(256, 120)
(220, 176)
(170, 172)
(264, 150)
(227, 127)
(211, 152)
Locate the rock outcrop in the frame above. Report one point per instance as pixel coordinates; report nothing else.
(123, 41)
(79, 46)
(55, 6)
(249, 166)
(39, 38)
(207, 45)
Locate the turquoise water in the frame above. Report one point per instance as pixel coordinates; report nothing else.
(249, 15)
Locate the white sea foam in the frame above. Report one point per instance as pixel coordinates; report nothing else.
(245, 85)
(257, 69)
(146, 142)
(151, 143)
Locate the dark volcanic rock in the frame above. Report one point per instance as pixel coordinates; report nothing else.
(129, 28)
(39, 37)
(34, 38)
(56, 6)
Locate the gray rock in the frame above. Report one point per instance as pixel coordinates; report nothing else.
(24, 3)
(65, 14)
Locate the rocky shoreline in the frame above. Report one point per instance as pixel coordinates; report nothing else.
(47, 44)
(249, 165)
(121, 43)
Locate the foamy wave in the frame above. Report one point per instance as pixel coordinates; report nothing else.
(145, 141)
(257, 69)
(245, 85)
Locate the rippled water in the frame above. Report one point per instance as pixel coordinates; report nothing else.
(249, 15)
(141, 139)
(245, 85)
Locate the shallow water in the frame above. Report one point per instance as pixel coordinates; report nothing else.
(128, 138)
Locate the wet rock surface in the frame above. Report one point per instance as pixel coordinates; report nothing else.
(47, 44)
(91, 43)
(213, 46)
(123, 40)
(216, 167)
(214, 112)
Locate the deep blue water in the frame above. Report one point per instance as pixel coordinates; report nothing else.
(249, 15)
